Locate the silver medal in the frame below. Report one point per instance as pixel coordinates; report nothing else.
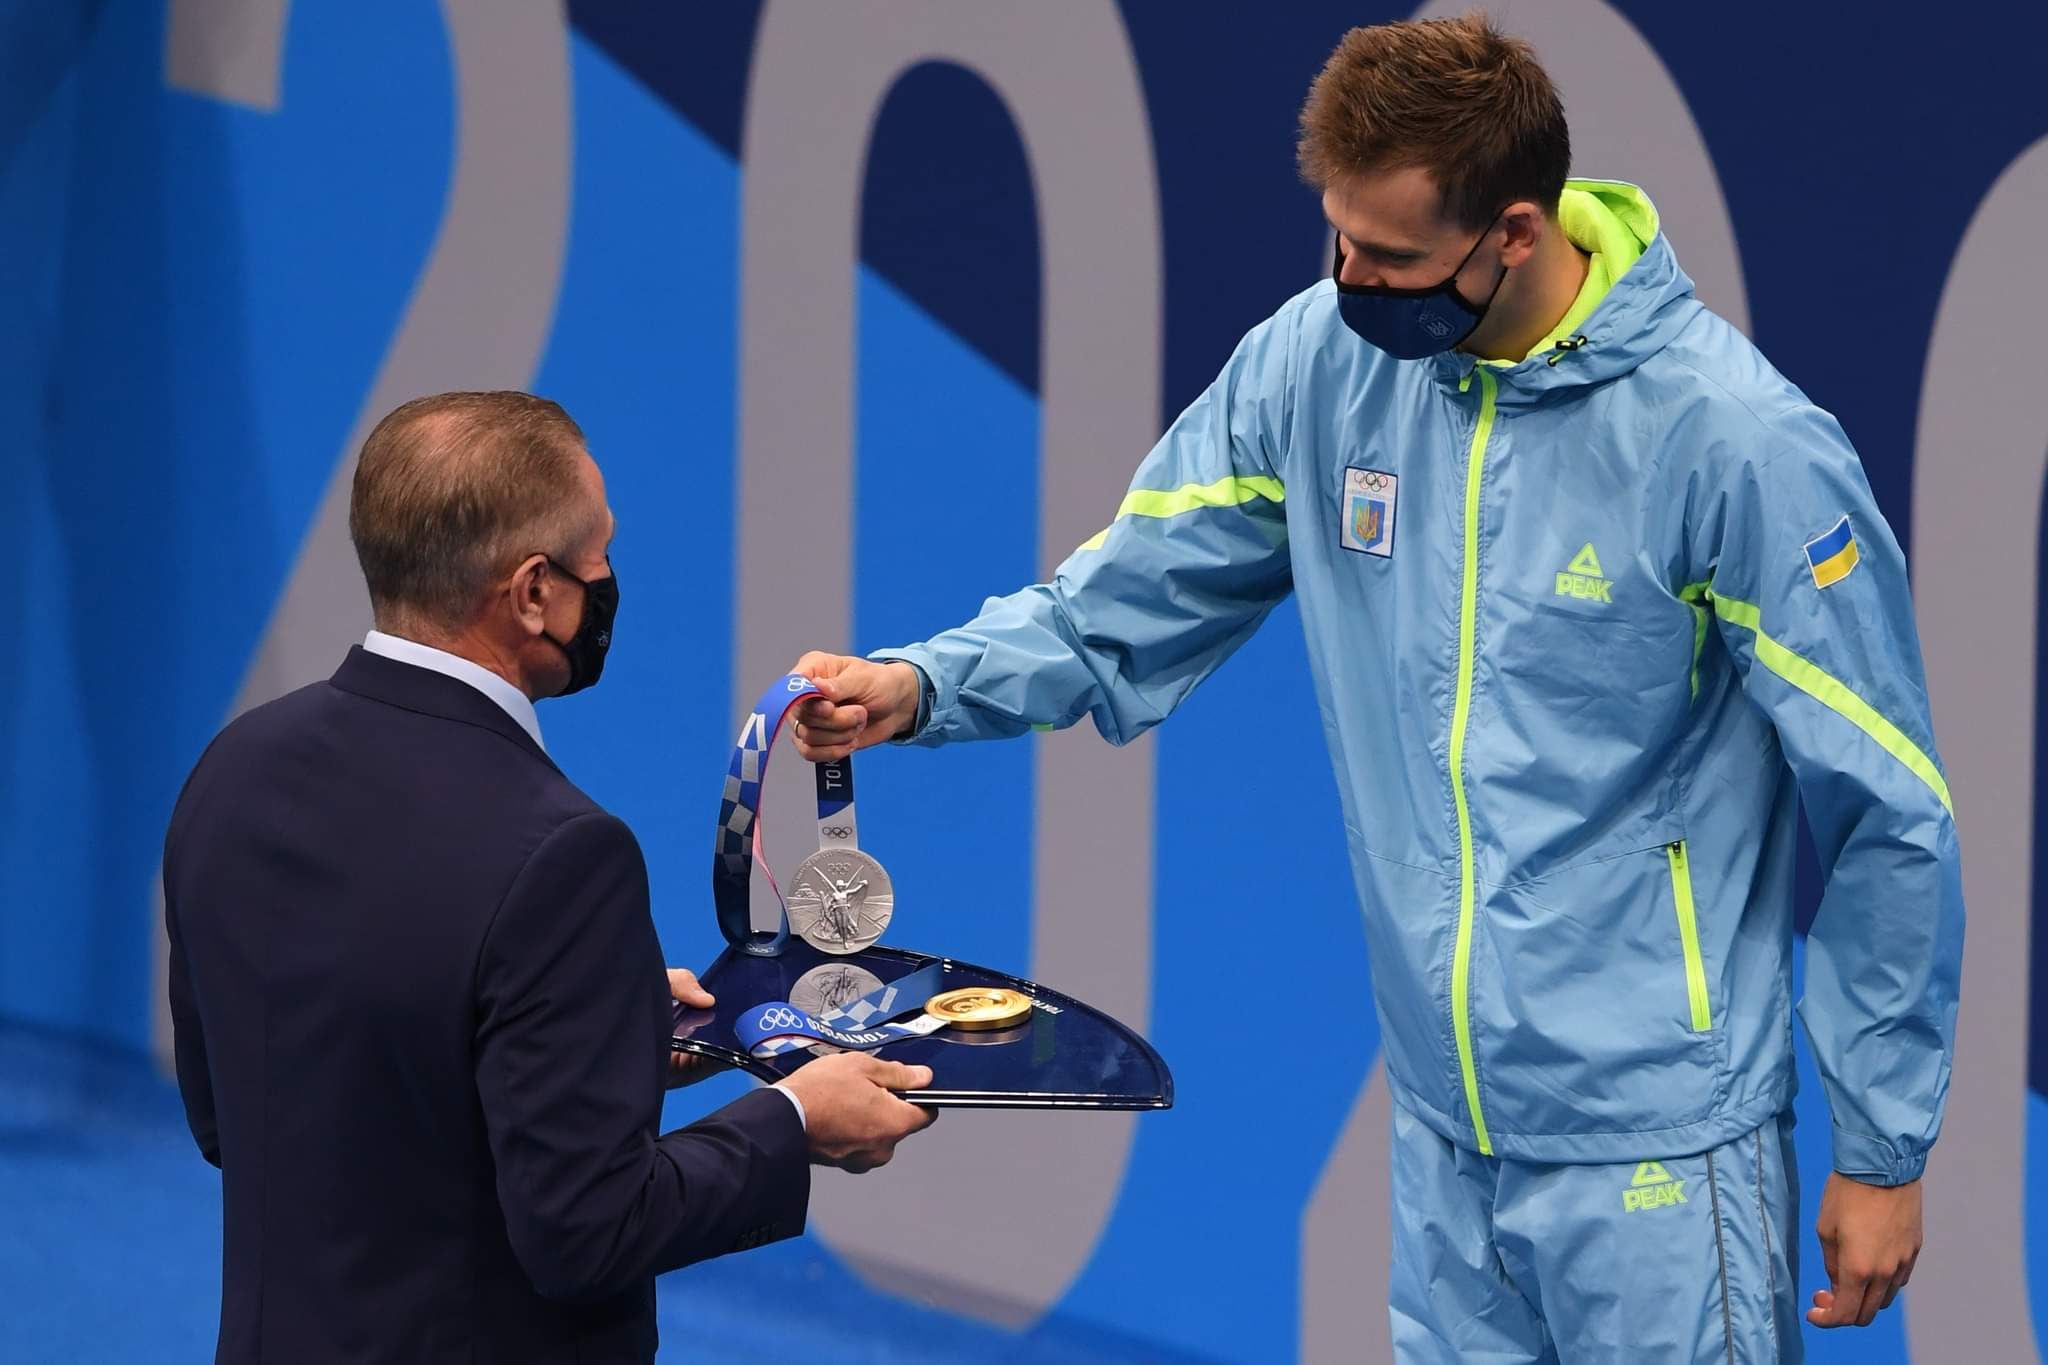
(821, 990)
(840, 900)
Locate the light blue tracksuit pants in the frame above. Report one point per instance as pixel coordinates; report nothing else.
(1681, 1261)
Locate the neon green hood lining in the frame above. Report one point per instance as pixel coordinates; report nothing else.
(1614, 223)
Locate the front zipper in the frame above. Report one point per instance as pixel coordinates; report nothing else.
(1689, 937)
(1468, 615)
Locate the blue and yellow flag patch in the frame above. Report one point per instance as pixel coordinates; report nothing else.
(1833, 555)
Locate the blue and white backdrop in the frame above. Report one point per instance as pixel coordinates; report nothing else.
(869, 308)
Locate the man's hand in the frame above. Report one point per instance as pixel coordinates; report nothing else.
(852, 1120)
(687, 1068)
(1869, 1240)
(864, 703)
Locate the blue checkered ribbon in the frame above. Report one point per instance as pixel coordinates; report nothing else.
(778, 1026)
(739, 820)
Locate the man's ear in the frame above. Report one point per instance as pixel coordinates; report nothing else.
(1524, 223)
(528, 593)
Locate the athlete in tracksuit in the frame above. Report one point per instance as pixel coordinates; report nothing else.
(1585, 631)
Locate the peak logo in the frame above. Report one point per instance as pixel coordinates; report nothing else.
(1582, 578)
(1652, 1188)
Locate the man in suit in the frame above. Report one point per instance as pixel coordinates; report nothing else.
(421, 1019)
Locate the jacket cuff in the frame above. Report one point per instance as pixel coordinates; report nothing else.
(776, 1123)
(801, 1116)
(928, 699)
(1875, 1161)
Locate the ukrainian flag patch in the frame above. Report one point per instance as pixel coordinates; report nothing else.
(1833, 555)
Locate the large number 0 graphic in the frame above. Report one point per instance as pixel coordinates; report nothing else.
(481, 311)
(1629, 122)
(1978, 470)
(821, 70)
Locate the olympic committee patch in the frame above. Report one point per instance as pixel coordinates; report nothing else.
(1368, 510)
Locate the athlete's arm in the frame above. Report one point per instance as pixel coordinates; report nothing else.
(1137, 616)
(1811, 598)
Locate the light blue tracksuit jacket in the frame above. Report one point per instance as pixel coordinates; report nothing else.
(1577, 669)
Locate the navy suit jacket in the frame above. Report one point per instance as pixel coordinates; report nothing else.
(422, 1027)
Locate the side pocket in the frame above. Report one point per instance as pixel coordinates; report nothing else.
(1689, 937)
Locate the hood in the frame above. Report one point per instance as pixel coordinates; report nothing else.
(1635, 301)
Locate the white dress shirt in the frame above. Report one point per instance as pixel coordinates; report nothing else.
(510, 699)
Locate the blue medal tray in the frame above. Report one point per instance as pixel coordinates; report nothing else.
(1066, 1055)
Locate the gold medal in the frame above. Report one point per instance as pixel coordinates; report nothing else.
(979, 1007)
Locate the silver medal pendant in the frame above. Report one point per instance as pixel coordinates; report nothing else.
(824, 989)
(840, 900)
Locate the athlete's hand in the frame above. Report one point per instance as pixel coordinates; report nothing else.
(1869, 1240)
(864, 703)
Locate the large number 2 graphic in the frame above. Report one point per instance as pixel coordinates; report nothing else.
(483, 306)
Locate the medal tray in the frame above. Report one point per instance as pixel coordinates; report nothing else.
(1066, 1055)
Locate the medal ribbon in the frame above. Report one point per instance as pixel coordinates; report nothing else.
(778, 1026)
(836, 826)
(739, 818)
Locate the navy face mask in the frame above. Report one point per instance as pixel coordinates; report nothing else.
(1411, 323)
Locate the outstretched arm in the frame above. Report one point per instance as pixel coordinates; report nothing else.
(1193, 561)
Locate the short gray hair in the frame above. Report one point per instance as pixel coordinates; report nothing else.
(454, 489)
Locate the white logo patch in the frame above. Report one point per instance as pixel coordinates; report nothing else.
(1367, 511)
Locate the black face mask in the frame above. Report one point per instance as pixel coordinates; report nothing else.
(585, 650)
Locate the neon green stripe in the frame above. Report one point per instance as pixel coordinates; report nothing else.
(1231, 492)
(1689, 938)
(1691, 594)
(1829, 691)
(1468, 629)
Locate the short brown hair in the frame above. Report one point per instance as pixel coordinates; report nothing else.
(1456, 97)
(454, 489)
